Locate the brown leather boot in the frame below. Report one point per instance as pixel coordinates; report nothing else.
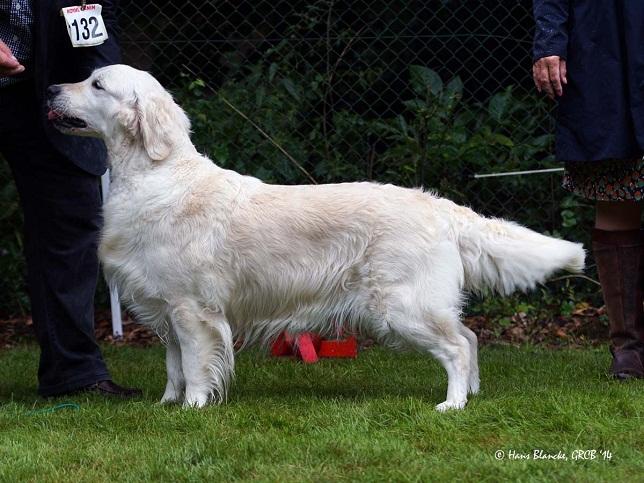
(619, 263)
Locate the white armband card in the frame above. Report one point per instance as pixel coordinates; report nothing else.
(85, 25)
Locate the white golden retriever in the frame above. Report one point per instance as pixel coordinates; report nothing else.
(213, 256)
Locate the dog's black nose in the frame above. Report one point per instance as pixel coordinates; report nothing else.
(53, 91)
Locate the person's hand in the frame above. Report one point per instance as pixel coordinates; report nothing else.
(9, 65)
(549, 74)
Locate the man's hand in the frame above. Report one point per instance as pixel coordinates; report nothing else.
(9, 65)
(549, 74)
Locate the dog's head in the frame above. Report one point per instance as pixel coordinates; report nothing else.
(119, 103)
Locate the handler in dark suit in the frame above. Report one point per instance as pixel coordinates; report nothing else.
(57, 179)
(590, 54)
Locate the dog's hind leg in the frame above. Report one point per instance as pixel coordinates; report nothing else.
(475, 381)
(454, 355)
(439, 335)
(207, 355)
(425, 314)
(176, 382)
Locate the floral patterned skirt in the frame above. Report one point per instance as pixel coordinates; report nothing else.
(610, 180)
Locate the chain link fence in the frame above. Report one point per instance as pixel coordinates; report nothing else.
(417, 93)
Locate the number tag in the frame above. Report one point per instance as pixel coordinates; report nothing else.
(85, 25)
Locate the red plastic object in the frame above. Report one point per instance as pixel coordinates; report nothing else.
(309, 347)
(339, 348)
(283, 346)
(306, 348)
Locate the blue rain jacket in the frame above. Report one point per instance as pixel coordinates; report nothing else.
(601, 113)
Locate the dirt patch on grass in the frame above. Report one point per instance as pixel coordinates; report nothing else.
(585, 326)
(19, 330)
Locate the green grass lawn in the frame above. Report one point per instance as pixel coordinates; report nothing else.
(371, 419)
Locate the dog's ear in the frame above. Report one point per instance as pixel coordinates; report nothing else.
(129, 119)
(161, 124)
(156, 125)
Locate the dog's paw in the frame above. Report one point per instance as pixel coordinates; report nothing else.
(447, 405)
(172, 395)
(195, 400)
(171, 399)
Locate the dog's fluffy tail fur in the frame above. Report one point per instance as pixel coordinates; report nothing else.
(502, 256)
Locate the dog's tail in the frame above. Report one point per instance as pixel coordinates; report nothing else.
(504, 257)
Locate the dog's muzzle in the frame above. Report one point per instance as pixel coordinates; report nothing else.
(57, 115)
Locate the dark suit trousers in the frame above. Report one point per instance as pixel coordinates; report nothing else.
(61, 205)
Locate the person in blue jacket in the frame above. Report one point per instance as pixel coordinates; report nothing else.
(57, 180)
(589, 55)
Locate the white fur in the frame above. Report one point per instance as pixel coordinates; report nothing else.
(209, 256)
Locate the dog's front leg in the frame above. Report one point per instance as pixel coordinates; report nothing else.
(176, 382)
(207, 356)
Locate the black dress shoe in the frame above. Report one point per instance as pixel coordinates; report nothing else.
(109, 388)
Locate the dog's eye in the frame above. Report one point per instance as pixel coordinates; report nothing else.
(97, 85)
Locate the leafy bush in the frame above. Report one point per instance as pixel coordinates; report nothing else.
(436, 137)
